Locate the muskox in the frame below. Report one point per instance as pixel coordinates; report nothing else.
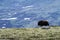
(43, 24)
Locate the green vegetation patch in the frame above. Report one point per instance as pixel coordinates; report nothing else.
(30, 33)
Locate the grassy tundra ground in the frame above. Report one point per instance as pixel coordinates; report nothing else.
(30, 34)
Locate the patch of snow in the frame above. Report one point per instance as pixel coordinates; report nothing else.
(26, 18)
(4, 24)
(8, 19)
(3, 27)
(28, 6)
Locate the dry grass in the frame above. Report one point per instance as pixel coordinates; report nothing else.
(31, 33)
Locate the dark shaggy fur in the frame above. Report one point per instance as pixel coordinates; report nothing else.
(43, 23)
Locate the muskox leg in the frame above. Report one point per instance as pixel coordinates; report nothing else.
(45, 27)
